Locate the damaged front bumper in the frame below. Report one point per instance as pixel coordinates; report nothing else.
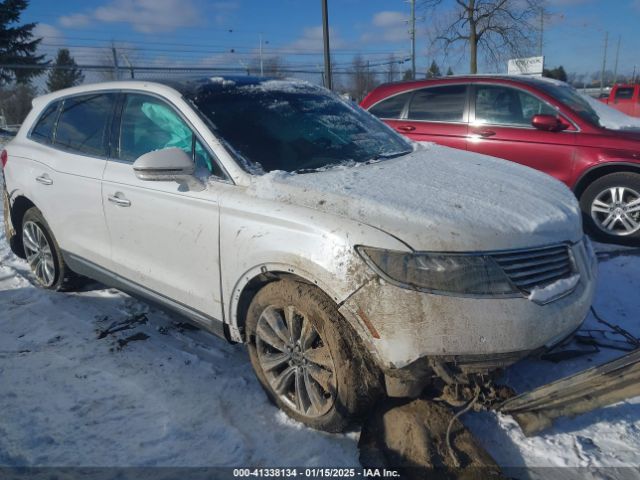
(409, 332)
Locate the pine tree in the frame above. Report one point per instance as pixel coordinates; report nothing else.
(17, 45)
(434, 70)
(449, 72)
(67, 75)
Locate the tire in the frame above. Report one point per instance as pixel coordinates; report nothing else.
(40, 248)
(325, 343)
(13, 239)
(611, 208)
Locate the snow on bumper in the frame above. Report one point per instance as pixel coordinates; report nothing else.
(404, 325)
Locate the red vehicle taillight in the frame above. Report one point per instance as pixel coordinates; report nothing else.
(4, 157)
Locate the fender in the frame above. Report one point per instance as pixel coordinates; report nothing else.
(580, 184)
(275, 268)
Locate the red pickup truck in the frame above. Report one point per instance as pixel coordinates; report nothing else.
(625, 98)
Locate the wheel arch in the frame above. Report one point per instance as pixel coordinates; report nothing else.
(18, 207)
(599, 171)
(256, 278)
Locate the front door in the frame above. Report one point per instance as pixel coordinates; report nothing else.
(500, 126)
(163, 239)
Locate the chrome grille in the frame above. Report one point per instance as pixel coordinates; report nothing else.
(539, 267)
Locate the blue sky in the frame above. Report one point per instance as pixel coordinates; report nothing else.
(204, 33)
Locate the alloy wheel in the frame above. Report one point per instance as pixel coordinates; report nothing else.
(39, 254)
(296, 361)
(616, 211)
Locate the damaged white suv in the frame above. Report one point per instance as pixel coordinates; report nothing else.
(351, 262)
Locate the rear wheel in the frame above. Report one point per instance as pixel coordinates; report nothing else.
(43, 253)
(611, 208)
(307, 358)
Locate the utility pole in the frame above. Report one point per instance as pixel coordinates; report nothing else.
(541, 31)
(604, 62)
(615, 68)
(412, 31)
(327, 52)
(116, 70)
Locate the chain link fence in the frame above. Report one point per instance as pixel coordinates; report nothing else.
(15, 99)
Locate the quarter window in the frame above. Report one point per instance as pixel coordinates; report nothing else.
(439, 104)
(391, 107)
(83, 123)
(150, 124)
(499, 105)
(43, 130)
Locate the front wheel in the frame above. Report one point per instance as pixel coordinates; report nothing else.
(611, 208)
(307, 358)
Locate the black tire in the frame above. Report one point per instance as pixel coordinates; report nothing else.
(598, 192)
(63, 277)
(357, 381)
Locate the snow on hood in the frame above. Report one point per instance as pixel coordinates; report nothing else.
(611, 118)
(439, 199)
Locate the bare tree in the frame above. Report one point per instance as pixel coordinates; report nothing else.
(392, 68)
(492, 28)
(363, 79)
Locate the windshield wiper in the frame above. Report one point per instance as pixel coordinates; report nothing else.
(387, 156)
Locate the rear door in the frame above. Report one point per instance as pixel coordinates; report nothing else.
(433, 114)
(500, 126)
(164, 238)
(76, 157)
(438, 114)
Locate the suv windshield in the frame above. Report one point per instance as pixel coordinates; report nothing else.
(294, 126)
(571, 98)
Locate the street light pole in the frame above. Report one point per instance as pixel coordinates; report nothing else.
(325, 38)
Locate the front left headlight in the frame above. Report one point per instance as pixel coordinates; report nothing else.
(450, 273)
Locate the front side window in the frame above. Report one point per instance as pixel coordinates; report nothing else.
(391, 107)
(83, 123)
(43, 131)
(295, 127)
(439, 104)
(150, 124)
(498, 105)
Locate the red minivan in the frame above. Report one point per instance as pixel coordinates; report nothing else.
(540, 123)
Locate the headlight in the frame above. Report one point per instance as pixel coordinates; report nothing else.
(454, 274)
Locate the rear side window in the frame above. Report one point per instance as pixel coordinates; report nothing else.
(439, 104)
(391, 107)
(624, 93)
(43, 131)
(83, 123)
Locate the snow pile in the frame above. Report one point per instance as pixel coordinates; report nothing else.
(550, 292)
(438, 198)
(610, 117)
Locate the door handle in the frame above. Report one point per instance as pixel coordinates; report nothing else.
(44, 179)
(119, 200)
(406, 128)
(484, 133)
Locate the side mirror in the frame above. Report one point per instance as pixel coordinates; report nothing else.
(548, 123)
(169, 164)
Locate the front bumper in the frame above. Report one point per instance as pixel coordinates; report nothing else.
(402, 326)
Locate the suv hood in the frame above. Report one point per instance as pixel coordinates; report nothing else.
(439, 199)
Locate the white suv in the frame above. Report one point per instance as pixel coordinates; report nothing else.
(351, 262)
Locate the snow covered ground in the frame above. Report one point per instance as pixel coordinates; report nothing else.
(182, 397)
